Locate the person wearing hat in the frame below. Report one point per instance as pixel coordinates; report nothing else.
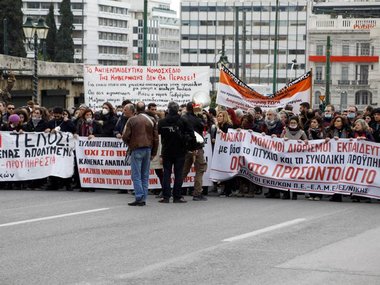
(14, 124)
(375, 125)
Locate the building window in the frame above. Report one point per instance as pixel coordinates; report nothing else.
(33, 5)
(364, 49)
(319, 50)
(316, 97)
(318, 73)
(345, 50)
(343, 100)
(344, 73)
(363, 97)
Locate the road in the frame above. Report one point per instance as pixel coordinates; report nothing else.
(95, 238)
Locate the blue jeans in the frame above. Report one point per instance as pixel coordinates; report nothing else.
(140, 163)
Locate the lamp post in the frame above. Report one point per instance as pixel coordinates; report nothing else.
(294, 67)
(36, 31)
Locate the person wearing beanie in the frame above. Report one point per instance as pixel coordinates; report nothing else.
(14, 124)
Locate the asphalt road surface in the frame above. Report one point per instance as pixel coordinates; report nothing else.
(95, 238)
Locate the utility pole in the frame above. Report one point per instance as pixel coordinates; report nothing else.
(145, 41)
(328, 54)
(237, 41)
(275, 51)
(244, 43)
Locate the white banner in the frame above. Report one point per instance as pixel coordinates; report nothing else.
(234, 93)
(101, 164)
(30, 156)
(143, 83)
(343, 166)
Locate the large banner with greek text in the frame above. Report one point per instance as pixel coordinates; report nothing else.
(337, 166)
(144, 83)
(30, 156)
(102, 164)
(234, 93)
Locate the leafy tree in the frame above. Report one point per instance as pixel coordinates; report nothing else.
(64, 50)
(11, 10)
(52, 34)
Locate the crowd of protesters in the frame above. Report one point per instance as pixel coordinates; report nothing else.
(303, 125)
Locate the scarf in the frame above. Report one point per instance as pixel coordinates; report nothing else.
(86, 129)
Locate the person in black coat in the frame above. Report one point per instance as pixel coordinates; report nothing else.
(375, 125)
(59, 123)
(172, 129)
(107, 119)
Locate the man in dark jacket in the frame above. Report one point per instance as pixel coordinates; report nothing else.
(59, 123)
(172, 128)
(196, 156)
(128, 112)
(375, 125)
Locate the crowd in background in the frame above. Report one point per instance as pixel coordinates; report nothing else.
(305, 124)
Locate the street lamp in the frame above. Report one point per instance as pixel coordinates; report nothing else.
(294, 67)
(35, 31)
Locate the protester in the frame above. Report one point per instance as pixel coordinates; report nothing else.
(172, 130)
(196, 156)
(362, 131)
(223, 124)
(339, 129)
(275, 127)
(293, 131)
(59, 124)
(375, 125)
(141, 136)
(107, 120)
(328, 115)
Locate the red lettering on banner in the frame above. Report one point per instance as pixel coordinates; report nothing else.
(188, 179)
(90, 152)
(321, 173)
(98, 180)
(106, 152)
(86, 180)
(233, 137)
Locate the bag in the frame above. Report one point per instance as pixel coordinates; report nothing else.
(193, 141)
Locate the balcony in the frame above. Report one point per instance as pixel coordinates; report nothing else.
(320, 23)
(343, 82)
(321, 81)
(359, 82)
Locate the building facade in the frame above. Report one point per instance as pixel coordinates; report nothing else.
(249, 28)
(110, 32)
(354, 56)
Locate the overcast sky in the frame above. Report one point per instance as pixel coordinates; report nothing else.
(175, 5)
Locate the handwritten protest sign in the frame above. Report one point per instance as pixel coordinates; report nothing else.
(342, 166)
(102, 164)
(143, 83)
(35, 155)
